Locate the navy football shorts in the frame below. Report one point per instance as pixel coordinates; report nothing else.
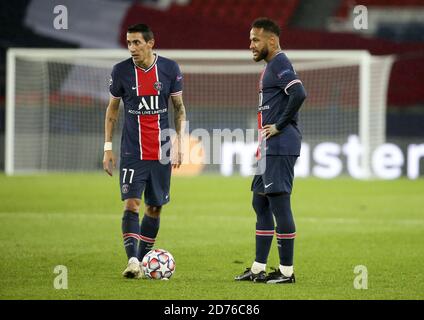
(276, 175)
(148, 176)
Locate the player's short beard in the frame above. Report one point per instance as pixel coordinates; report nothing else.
(261, 55)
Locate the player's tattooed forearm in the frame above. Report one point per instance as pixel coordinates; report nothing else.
(111, 125)
(179, 114)
(179, 109)
(178, 106)
(112, 120)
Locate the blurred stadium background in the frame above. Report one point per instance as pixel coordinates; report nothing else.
(395, 28)
(74, 219)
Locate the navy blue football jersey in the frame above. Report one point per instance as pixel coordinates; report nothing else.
(275, 79)
(145, 93)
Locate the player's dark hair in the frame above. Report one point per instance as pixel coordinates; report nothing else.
(267, 24)
(143, 29)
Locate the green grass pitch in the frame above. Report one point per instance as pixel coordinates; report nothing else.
(75, 220)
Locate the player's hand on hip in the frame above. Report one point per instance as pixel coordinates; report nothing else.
(109, 162)
(269, 130)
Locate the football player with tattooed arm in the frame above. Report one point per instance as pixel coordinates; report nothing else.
(144, 83)
(281, 95)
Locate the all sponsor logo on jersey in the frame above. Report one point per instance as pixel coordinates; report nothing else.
(148, 105)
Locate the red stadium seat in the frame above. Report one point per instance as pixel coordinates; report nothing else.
(243, 11)
(216, 24)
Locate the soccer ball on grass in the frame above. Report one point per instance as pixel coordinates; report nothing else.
(158, 264)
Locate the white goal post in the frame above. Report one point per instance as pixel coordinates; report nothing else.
(56, 98)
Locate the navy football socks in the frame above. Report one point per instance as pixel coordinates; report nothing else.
(286, 230)
(130, 232)
(148, 231)
(264, 227)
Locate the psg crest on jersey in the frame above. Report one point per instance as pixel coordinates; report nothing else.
(158, 85)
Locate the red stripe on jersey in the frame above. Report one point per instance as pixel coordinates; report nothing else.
(260, 120)
(149, 125)
(146, 81)
(149, 136)
(261, 78)
(258, 150)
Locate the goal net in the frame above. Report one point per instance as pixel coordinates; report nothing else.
(56, 101)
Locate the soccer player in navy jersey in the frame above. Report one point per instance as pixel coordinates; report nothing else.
(144, 83)
(281, 94)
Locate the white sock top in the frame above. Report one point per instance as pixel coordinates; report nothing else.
(258, 267)
(286, 270)
(133, 260)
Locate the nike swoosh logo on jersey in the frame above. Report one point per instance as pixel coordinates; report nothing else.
(135, 87)
(267, 185)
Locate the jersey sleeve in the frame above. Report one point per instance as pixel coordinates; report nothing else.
(286, 76)
(115, 87)
(177, 82)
